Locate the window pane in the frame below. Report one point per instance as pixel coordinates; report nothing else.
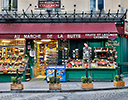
(93, 5)
(100, 5)
(5, 5)
(13, 4)
(9, 5)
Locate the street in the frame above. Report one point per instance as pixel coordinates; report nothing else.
(92, 95)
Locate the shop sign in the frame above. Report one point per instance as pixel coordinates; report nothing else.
(28, 36)
(126, 28)
(111, 43)
(61, 36)
(81, 36)
(48, 4)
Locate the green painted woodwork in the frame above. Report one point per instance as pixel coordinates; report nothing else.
(125, 54)
(7, 77)
(98, 74)
(118, 50)
(75, 74)
(121, 53)
(95, 43)
(103, 74)
(31, 59)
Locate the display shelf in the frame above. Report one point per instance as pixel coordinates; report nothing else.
(77, 63)
(105, 56)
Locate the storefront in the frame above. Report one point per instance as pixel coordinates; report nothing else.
(62, 43)
(12, 57)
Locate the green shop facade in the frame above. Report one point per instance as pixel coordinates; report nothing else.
(72, 34)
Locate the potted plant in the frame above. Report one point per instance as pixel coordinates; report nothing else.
(119, 80)
(86, 82)
(54, 83)
(16, 83)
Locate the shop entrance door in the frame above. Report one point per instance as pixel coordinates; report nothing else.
(46, 54)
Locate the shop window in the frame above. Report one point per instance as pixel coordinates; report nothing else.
(96, 5)
(9, 5)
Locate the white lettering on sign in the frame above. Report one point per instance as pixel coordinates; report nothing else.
(32, 36)
(74, 36)
(100, 36)
(112, 43)
(17, 36)
(60, 36)
(90, 34)
(49, 36)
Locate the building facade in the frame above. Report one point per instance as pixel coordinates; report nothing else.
(56, 32)
(81, 5)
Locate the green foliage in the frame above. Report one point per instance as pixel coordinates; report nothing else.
(57, 80)
(119, 77)
(116, 77)
(54, 80)
(86, 80)
(96, 59)
(19, 80)
(13, 80)
(90, 79)
(51, 79)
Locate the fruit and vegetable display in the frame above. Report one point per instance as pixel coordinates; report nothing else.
(13, 63)
(103, 58)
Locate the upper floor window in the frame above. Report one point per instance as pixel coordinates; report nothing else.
(9, 5)
(96, 5)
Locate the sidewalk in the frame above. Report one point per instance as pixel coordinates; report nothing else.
(43, 86)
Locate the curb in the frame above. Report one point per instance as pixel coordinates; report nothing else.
(60, 91)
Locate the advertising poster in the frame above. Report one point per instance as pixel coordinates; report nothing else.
(60, 72)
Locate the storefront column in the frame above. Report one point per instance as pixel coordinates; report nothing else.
(29, 46)
(121, 53)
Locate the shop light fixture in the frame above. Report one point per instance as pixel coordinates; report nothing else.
(20, 39)
(46, 40)
(5, 41)
(39, 42)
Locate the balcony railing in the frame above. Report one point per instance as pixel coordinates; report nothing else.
(91, 16)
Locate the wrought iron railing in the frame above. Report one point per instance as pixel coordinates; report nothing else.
(63, 16)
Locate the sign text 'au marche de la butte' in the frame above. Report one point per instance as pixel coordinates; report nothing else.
(65, 36)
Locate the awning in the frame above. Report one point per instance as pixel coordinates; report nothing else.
(37, 28)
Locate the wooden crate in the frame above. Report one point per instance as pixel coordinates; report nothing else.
(17, 87)
(54, 86)
(119, 83)
(86, 85)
